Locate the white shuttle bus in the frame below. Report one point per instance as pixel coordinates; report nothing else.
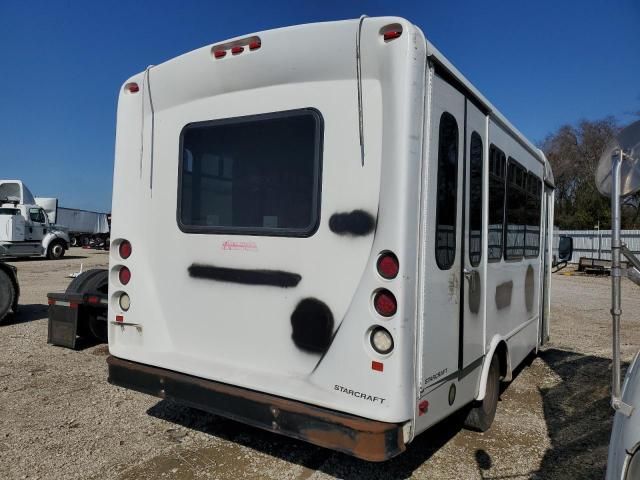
(327, 232)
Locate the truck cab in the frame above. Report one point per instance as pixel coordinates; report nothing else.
(25, 230)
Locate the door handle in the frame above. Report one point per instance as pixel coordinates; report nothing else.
(470, 275)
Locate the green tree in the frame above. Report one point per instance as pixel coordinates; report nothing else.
(574, 151)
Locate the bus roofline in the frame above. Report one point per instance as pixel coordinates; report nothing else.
(370, 440)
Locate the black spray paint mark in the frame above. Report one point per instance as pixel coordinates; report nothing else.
(356, 223)
(529, 288)
(312, 324)
(274, 278)
(503, 294)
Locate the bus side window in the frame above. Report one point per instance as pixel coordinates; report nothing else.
(515, 210)
(534, 201)
(475, 199)
(497, 164)
(447, 196)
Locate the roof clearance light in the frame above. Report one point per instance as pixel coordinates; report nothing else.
(385, 303)
(132, 87)
(237, 50)
(388, 265)
(381, 340)
(125, 249)
(219, 53)
(256, 44)
(392, 35)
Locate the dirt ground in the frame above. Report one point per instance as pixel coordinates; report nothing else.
(59, 419)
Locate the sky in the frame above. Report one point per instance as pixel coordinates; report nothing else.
(542, 63)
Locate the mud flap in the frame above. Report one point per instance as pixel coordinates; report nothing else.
(63, 320)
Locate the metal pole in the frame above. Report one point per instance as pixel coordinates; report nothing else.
(616, 276)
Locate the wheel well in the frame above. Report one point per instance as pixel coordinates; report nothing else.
(503, 358)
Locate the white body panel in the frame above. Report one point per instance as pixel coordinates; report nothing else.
(625, 434)
(12, 228)
(242, 334)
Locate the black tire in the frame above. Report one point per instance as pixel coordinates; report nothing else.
(98, 328)
(91, 281)
(56, 250)
(7, 295)
(84, 241)
(95, 281)
(482, 413)
(74, 241)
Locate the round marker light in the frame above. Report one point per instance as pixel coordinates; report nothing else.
(124, 301)
(381, 340)
(124, 275)
(385, 303)
(388, 265)
(125, 249)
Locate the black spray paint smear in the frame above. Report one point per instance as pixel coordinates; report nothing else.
(312, 324)
(357, 223)
(274, 278)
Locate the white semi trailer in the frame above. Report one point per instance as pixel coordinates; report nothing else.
(84, 226)
(25, 229)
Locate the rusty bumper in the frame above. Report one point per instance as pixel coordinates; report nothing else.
(366, 439)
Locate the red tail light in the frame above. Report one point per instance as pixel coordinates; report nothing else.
(219, 53)
(255, 45)
(237, 50)
(125, 249)
(132, 87)
(385, 303)
(124, 275)
(388, 265)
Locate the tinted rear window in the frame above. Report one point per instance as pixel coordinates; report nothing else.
(255, 175)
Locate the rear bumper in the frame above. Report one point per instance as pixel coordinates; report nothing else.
(366, 439)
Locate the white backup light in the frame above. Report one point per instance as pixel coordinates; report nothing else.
(124, 301)
(381, 340)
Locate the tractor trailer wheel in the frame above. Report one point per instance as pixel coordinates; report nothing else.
(56, 250)
(95, 281)
(7, 295)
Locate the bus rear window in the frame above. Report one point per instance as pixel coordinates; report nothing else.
(256, 175)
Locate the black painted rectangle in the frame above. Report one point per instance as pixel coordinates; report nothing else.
(274, 278)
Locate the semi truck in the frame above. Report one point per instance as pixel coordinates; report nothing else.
(25, 228)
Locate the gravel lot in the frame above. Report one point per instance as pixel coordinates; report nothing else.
(60, 419)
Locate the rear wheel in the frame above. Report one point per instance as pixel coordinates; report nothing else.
(55, 250)
(94, 281)
(74, 241)
(482, 413)
(98, 328)
(7, 294)
(84, 241)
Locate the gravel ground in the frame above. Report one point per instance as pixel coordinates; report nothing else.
(60, 419)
